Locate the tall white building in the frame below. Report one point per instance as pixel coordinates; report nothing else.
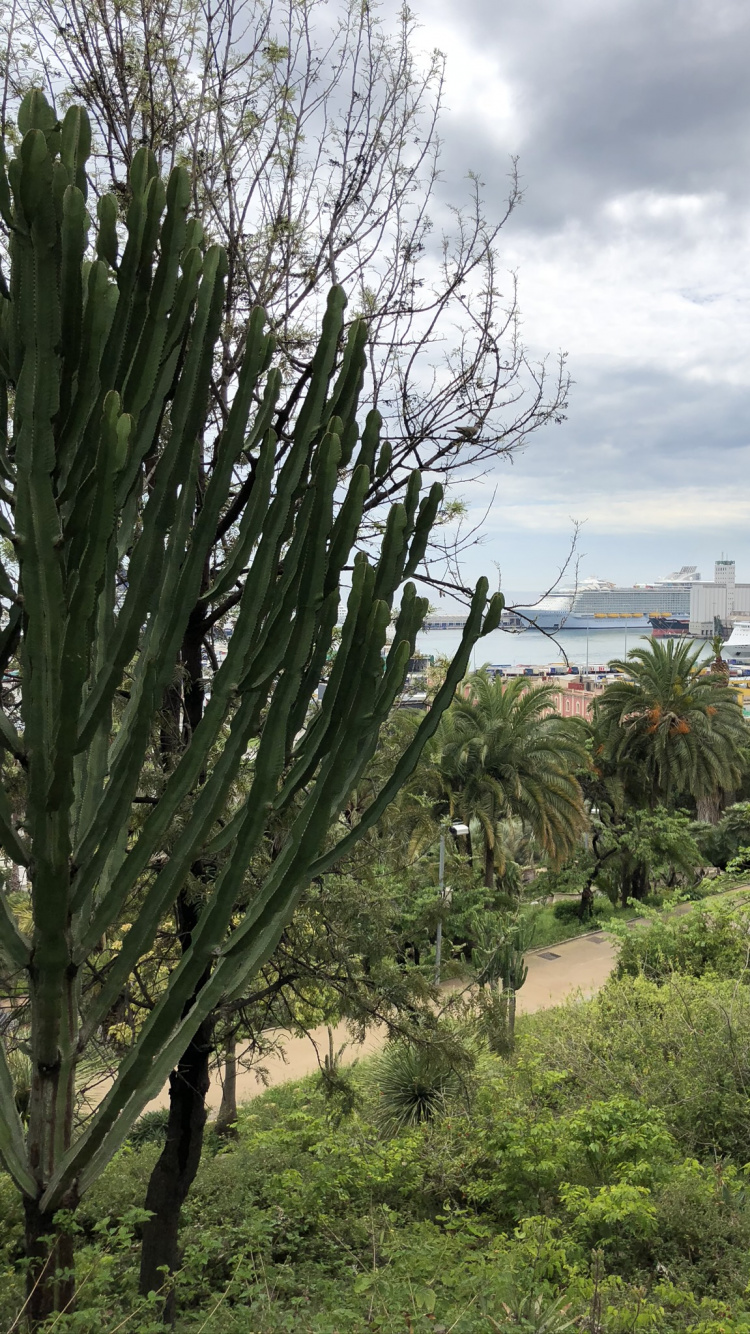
(724, 577)
(720, 601)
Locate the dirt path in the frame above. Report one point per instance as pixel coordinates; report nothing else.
(555, 972)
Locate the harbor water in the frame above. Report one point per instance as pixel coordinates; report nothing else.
(530, 648)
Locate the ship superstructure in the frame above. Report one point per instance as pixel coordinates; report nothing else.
(597, 604)
(737, 647)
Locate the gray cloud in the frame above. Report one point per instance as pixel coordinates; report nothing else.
(632, 122)
(612, 97)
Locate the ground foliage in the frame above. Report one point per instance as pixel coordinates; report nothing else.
(595, 1181)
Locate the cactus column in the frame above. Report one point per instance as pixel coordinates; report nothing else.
(107, 342)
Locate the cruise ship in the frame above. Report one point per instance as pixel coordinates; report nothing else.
(737, 647)
(596, 604)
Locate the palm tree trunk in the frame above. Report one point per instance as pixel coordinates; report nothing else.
(489, 866)
(708, 809)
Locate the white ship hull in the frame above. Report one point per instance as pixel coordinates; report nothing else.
(555, 620)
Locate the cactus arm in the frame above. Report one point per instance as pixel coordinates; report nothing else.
(14, 946)
(147, 560)
(250, 524)
(98, 313)
(346, 391)
(93, 764)
(12, 1147)
(268, 767)
(9, 737)
(162, 894)
(342, 684)
(392, 551)
(323, 362)
(309, 543)
(150, 417)
(74, 236)
(347, 524)
(143, 371)
(106, 236)
(85, 584)
(9, 838)
(246, 635)
(166, 1015)
(428, 511)
(473, 629)
(136, 258)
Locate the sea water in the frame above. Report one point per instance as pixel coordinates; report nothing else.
(531, 648)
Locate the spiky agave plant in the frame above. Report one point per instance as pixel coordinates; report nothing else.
(414, 1083)
(114, 482)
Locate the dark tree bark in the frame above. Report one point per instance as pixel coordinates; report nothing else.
(489, 867)
(226, 1121)
(50, 1277)
(176, 1168)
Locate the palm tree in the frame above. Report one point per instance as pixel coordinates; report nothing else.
(505, 753)
(671, 727)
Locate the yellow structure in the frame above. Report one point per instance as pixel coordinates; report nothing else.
(741, 689)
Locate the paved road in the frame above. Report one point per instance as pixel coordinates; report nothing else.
(555, 972)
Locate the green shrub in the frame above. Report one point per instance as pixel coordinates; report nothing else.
(714, 938)
(681, 1046)
(151, 1128)
(567, 911)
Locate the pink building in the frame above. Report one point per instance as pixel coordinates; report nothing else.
(575, 700)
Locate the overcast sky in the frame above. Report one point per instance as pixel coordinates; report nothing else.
(631, 119)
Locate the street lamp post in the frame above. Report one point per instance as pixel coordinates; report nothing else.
(459, 831)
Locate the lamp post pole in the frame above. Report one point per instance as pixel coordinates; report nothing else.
(458, 831)
(441, 886)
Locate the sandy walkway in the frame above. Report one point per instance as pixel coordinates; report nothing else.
(555, 972)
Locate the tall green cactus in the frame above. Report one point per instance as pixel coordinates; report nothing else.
(113, 482)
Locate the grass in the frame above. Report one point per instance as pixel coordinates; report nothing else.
(550, 930)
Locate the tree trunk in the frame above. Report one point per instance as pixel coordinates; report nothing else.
(489, 866)
(226, 1121)
(635, 883)
(176, 1168)
(708, 809)
(510, 1002)
(50, 1276)
(586, 909)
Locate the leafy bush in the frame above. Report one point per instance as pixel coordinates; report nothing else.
(681, 1045)
(715, 938)
(722, 842)
(567, 911)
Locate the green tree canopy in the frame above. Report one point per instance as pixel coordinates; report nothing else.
(502, 753)
(670, 729)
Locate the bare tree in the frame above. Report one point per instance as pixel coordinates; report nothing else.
(313, 143)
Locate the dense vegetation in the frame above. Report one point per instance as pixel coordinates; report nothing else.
(594, 1181)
